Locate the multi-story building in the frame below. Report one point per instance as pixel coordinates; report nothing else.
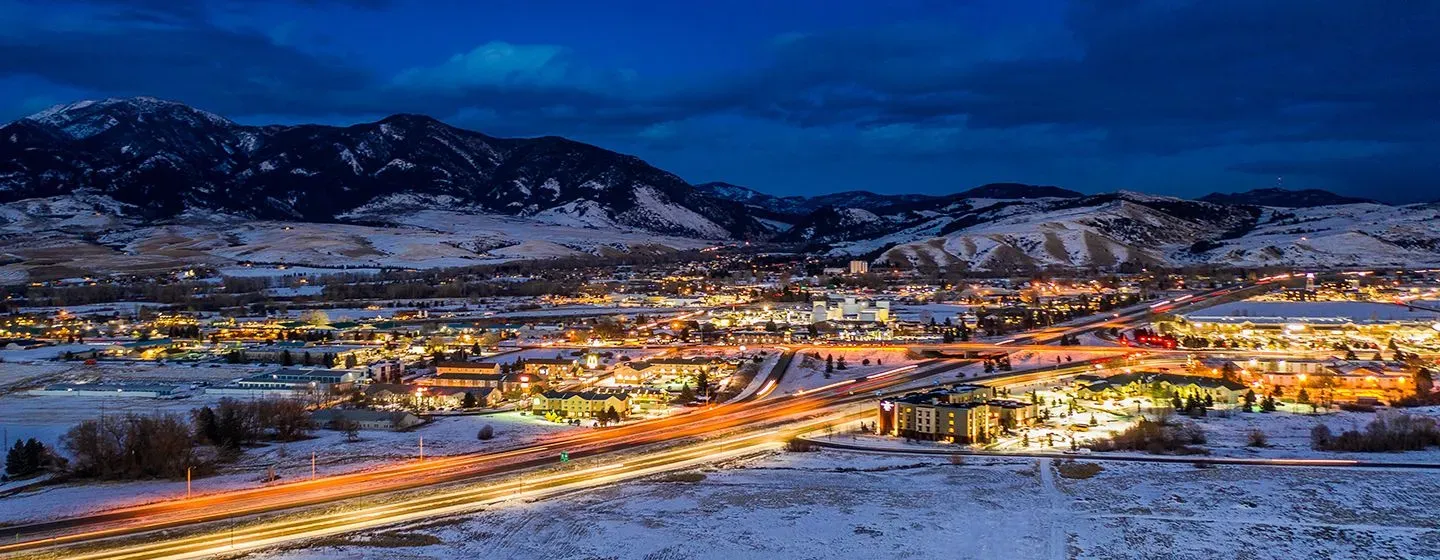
(859, 267)
(551, 368)
(661, 369)
(505, 382)
(962, 414)
(850, 309)
(588, 404)
(443, 368)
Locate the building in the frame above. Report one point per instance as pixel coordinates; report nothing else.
(292, 382)
(488, 368)
(859, 267)
(587, 404)
(505, 382)
(1329, 380)
(670, 369)
(551, 368)
(305, 354)
(961, 414)
(1162, 384)
(366, 419)
(423, 396)
(141, 390)
(852, 310)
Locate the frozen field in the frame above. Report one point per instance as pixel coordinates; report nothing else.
(833, 505)
(1323, 312)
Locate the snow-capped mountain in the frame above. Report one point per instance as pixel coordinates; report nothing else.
(142, 184)
(163, 159)
(1113, 230)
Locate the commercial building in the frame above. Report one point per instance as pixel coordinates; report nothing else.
(586, 404)
(859, 267)
(444, 368)
(142, 390)
(850, 309)
(961, 414)
(292, 382)
(366, 419)
(668, 369)
(551, 368)
(505, 382)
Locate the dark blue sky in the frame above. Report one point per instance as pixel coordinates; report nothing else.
(804, 97)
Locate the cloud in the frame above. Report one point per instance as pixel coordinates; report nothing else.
(1104, 90)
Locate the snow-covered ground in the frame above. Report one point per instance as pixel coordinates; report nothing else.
(808, 372)
(1312, 311)
(835, 505)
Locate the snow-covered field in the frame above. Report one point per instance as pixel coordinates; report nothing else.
(834, 505)
(807, 372)
(1322, 311)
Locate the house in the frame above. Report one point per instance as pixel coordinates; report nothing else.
(366, 419)
(586, 404)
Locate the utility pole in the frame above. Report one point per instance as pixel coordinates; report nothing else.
(187, 482)
(312, 465)
(422, 448)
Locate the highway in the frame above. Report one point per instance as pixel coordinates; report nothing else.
(742, 427)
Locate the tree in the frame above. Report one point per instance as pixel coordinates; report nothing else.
(26, 458)
(487, 432)
(286, 359)
(468, 401)
(347, 426)
(207, 426)
(1424, 384)
(687, 395)
(829, 363)
(316, 318)
(1302, 397)
(702, 383)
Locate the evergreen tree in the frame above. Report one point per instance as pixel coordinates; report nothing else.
(468, 401)
(286, 359)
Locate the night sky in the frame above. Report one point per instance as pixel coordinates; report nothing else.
(806, 97)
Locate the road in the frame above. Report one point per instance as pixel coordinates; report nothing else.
(753, 421)
(220, 507)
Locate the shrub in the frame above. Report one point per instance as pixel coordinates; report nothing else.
(487, 432)
(1256, 438)
(1071, 469)
(1162, 435)
(1393, 431)
(798, 445)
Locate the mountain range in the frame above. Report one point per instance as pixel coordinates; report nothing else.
(142, 182)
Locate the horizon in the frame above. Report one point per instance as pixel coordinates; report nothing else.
(806, 97)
